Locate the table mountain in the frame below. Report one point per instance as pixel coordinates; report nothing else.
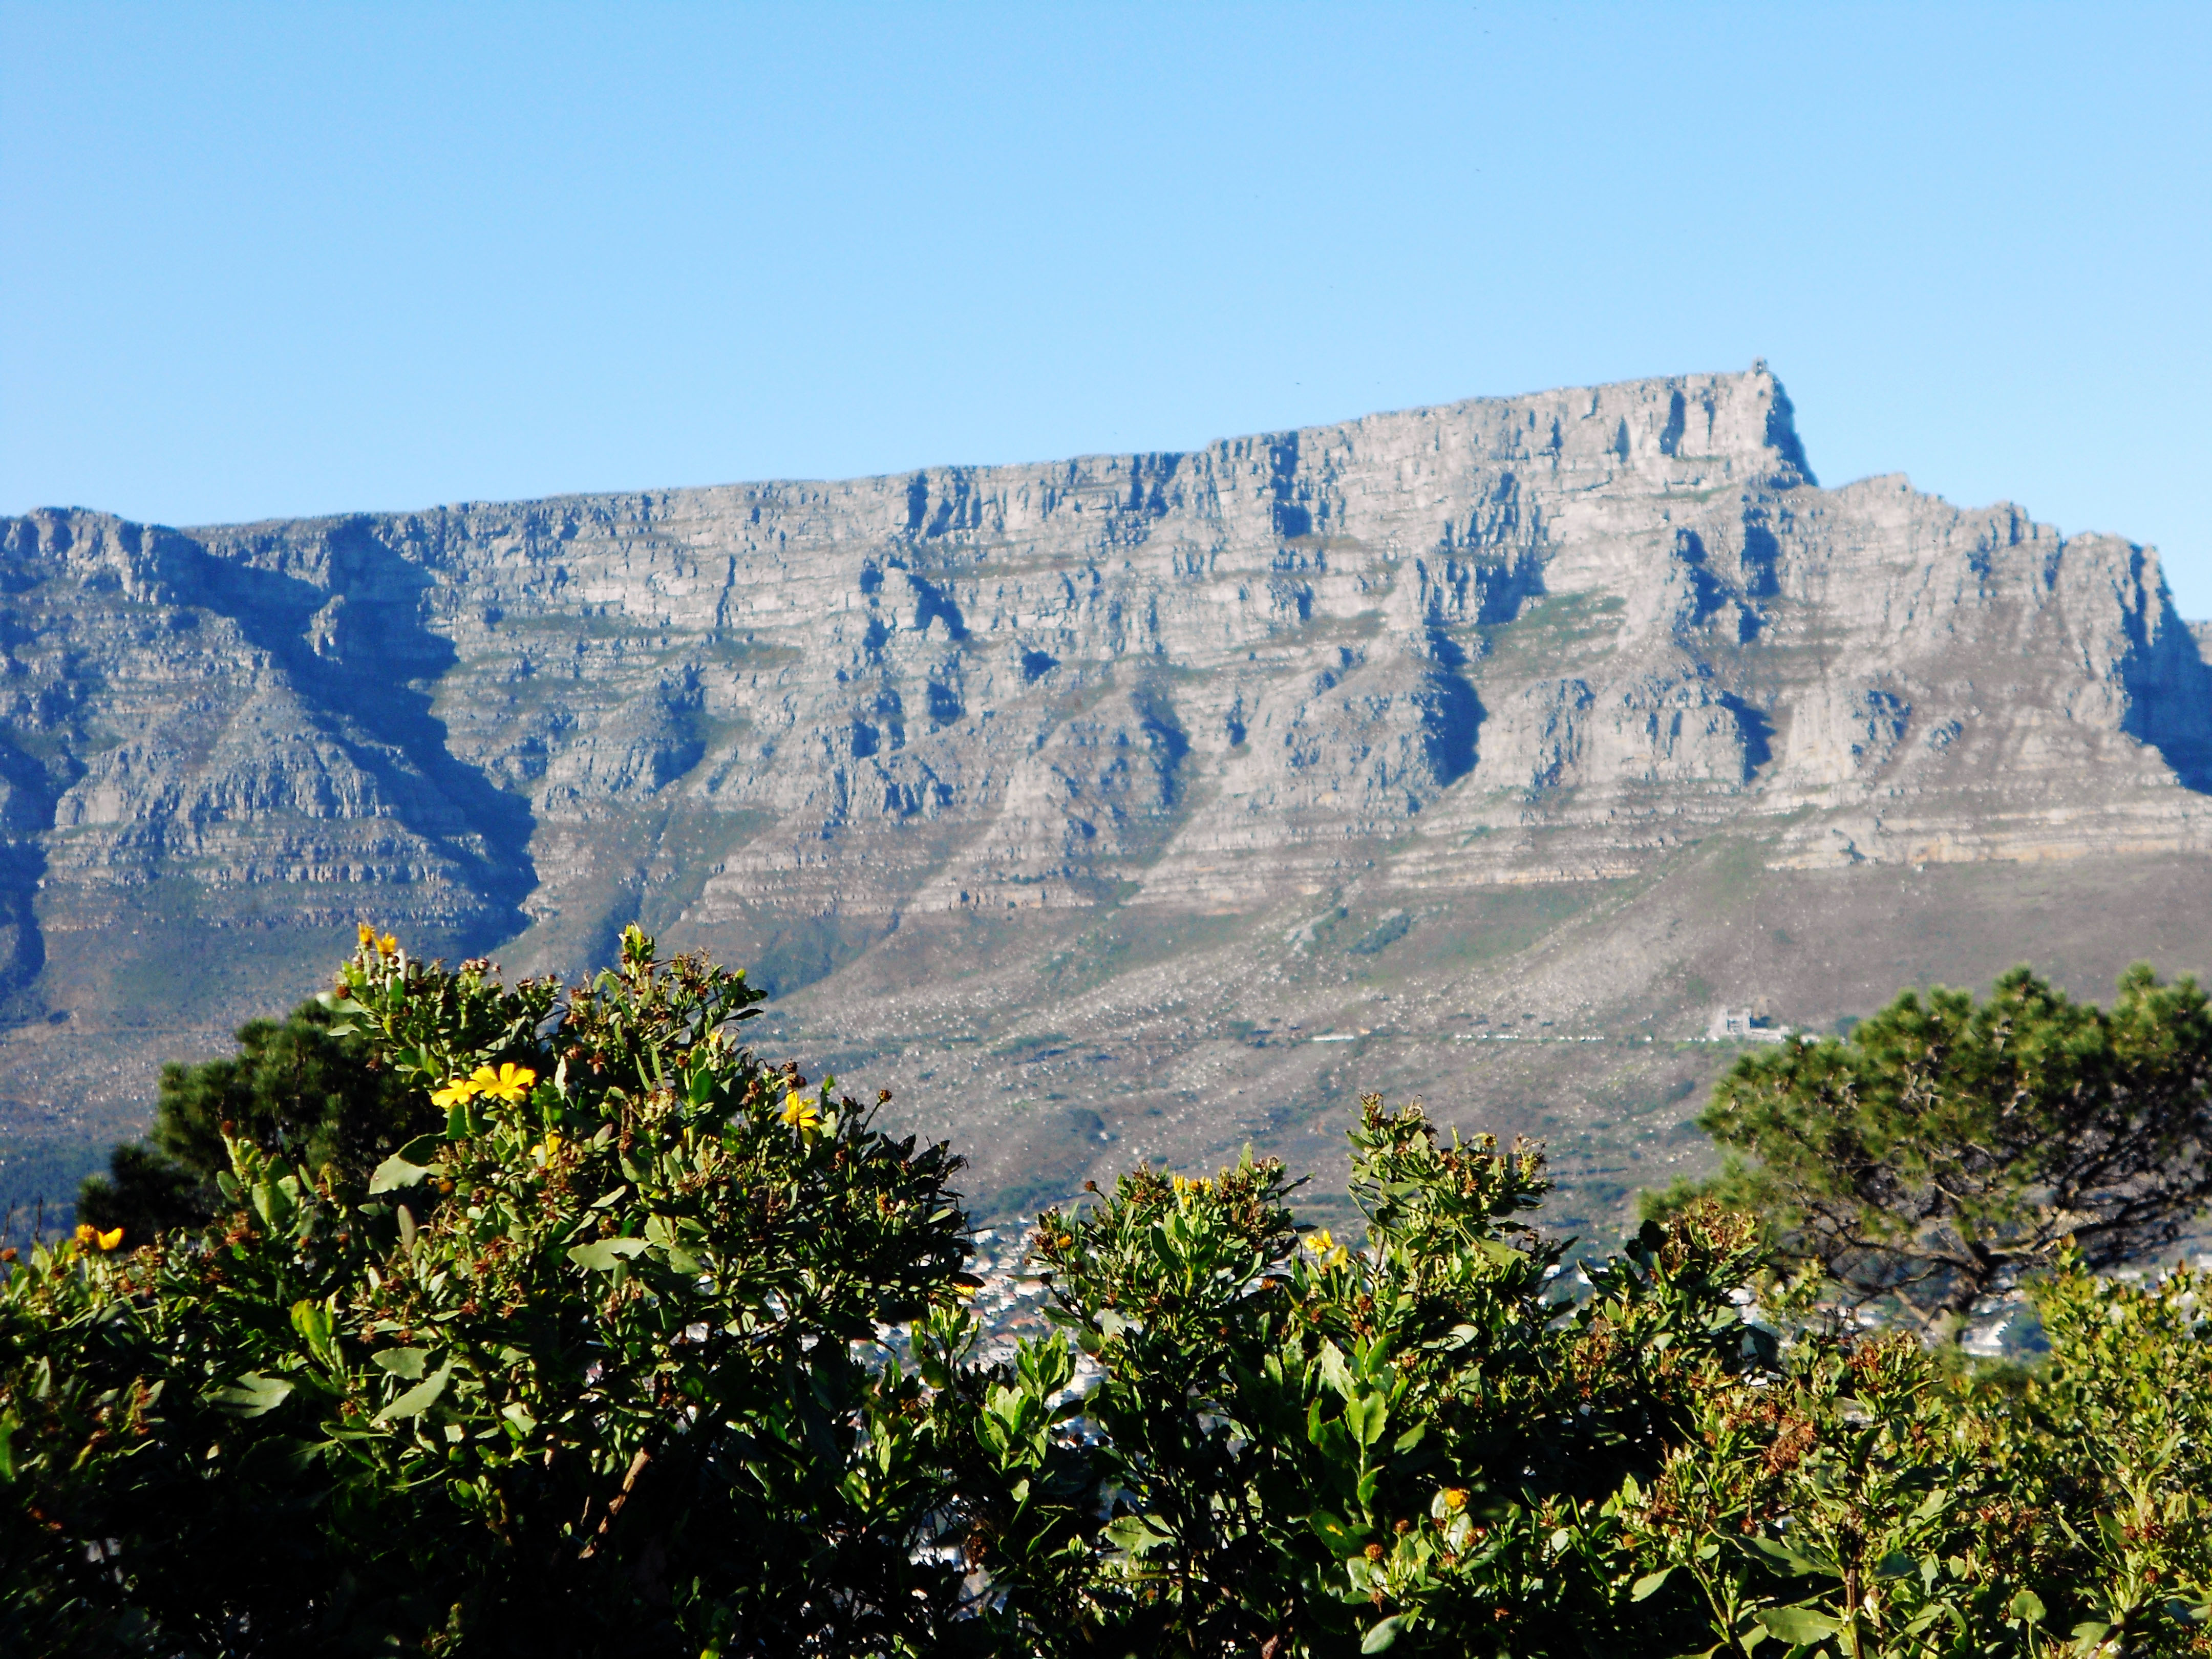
(1125, 807)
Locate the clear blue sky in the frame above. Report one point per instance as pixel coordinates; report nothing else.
(302, 258)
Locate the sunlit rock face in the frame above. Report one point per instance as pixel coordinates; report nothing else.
(1532, 640)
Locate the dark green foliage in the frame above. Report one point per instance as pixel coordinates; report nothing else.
(295, 1090)
(603, 1364)
(146, 1193)
(1946, 1146)
(1302, 1445)
(573, 1374)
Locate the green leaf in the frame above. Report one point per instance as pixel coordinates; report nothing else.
(1933, 1505)
(396, 1173)
(420, 1398)
(1648, 1586)
(1799, 1625)
(2028, 1605)
(312, 1320)
(347, 1016)
(1366, 1417)
(1134, 1535)
(1788, 1557)
(601, 1255)
(250, 1395)
(7, 1448)
(405, 1364)
(1385, 1633)
(1334, 1370)
(274, 1201)
(1927, 1616)
(1341, 1540)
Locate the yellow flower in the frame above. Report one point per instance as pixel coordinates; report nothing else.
(800, 1112)
(1326, 1249)
(89, 1233)
(546, 1148)
(1454, 1499)
(368, 937)
(389, 944)
(85, 1234)
(458, 1091)
(510, 1083)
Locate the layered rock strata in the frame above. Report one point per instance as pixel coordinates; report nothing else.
(1572, 627)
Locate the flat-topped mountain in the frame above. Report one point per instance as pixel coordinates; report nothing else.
(1087, 802)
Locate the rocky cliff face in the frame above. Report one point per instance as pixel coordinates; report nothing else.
(1514, 645)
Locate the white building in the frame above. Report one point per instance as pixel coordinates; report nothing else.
(1742, 1025)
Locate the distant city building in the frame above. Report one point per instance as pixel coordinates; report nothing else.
(1742, 1025)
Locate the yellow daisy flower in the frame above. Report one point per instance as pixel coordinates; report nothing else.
(458, 1091)
(1326, 1249)
(510, 1083)
(801, 1114)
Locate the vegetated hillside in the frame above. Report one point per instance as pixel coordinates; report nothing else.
(1125, 808)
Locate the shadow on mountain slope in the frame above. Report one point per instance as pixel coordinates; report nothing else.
(360, 655)
(2170, 693)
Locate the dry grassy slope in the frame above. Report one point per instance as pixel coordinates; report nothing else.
(1061, 1049)
(1079, 802)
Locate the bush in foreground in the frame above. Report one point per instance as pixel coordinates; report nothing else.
(594, 1369)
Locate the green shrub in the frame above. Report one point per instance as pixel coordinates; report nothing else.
(1945, 1147)
(575, 1374)
(598, 1366)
